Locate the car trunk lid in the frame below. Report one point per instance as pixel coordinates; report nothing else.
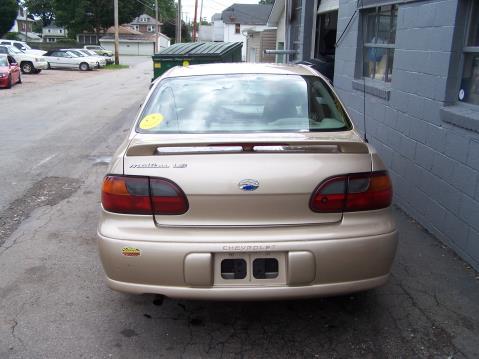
(247, 179)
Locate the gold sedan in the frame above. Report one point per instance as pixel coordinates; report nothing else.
(241, 182)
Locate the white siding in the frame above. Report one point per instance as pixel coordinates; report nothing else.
(231, 36)
(281, 31)
(218, 30)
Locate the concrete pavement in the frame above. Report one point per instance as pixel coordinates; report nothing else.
(53, 301)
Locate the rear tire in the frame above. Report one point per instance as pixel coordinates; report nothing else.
(9, 85)
(27, 67)
(84, 66)
(19, 79)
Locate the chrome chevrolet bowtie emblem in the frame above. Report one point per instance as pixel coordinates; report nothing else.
(248, 185)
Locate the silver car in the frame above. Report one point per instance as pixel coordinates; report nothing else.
(245, 181)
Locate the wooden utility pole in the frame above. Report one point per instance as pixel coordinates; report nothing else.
(157, 42)
(194, 21)
(178, 23)
(117, 33)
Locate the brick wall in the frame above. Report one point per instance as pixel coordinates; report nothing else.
(434, 164)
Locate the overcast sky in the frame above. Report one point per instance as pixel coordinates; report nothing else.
(210, 7)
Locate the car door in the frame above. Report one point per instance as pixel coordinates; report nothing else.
(14, 69)
(72, 60)
(54, 59)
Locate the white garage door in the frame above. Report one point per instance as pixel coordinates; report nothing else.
(146, 48)
(129, 48)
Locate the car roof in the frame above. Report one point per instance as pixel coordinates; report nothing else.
(240, 68)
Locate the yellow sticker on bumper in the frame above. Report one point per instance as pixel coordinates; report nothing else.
(130, 252)
(151, 121)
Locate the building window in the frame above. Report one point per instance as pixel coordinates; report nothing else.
(379, 34)
(61, 31)
(150, 28)
(469, 91)
(237, 28)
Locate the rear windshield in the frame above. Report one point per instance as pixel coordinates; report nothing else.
(242, 103)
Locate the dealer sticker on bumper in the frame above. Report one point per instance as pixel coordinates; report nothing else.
(130, 252)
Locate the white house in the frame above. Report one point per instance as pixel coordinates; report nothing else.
(53, 33)
(212, 32)
(24, 25)
(277, 19)
(239, 18)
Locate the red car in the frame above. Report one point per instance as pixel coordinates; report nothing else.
(9, 72)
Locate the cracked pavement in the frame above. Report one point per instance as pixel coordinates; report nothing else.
(54, 302)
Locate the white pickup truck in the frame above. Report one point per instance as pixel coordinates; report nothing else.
(21, 45)
(29, 63)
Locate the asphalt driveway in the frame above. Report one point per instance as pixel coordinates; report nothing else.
(54, 303)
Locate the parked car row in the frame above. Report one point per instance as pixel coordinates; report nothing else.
(17, 58)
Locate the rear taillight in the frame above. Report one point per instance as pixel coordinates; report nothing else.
(142, 195)
(354, 192)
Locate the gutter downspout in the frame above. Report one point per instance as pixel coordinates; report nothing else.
(287, 28)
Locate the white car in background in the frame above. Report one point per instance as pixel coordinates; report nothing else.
(104, 60)
(63, 59)
(101, 62)
(29, 63)
(21, 45)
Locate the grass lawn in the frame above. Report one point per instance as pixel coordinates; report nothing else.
(116, 67)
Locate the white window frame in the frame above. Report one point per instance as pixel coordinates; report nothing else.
(370, 45)
(467, 49)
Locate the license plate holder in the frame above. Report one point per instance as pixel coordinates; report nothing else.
(267, 268)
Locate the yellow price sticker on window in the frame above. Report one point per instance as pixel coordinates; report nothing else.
(186, 63)
(157, 65)
(151, 121)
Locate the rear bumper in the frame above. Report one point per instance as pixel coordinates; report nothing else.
(252, 293)
(4, 82)
(327, 265)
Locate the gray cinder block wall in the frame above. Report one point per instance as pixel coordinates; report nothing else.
(426, 138)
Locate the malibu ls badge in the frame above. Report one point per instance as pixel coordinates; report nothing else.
(248, 185)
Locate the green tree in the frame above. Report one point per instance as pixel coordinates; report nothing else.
(169, 29)
(8, 14)
(41, 8)
(166, 9)
(93, 15)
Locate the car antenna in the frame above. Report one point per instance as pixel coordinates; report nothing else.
(360, 6)
(364, 79)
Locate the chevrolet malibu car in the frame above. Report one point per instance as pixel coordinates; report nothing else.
(245, 182)
(9, 72)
